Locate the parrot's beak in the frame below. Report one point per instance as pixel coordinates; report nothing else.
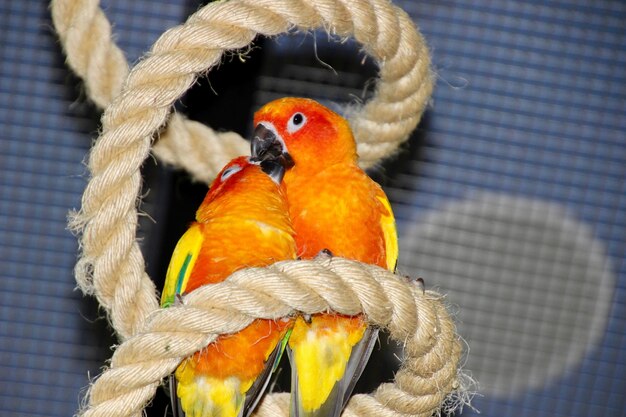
(274, 169)
(266, 145)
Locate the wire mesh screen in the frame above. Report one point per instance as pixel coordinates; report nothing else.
(514, 205)
(52, 340)
(510, 197)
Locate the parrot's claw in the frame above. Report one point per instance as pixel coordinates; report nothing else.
(419, 282)
(307, 318)
(324, 253)
(178, 300)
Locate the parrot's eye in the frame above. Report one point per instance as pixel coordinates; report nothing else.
(296, 122)
(228, 172)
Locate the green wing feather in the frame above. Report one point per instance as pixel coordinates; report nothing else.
(182, 263)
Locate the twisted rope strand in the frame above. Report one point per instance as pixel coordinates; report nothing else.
(386, 33)
(85, 34)
(417, 318)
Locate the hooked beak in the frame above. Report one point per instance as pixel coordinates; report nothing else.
(265, 145)
(274, 169)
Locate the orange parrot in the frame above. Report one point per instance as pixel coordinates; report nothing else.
(242, 222)
(334, 206)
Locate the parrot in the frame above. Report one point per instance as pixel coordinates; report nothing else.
(242, 222)
(336, 210)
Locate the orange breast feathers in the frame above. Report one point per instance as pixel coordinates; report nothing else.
(242, 222)
(333, 204)
(339, 209)
(247, 225)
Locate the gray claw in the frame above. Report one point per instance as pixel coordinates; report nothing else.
(324, 253)
(178, 300)
(419, 282)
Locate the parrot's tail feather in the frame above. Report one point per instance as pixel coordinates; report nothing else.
(330, 408)
(177, 411)
(358, 360)
(340, 393)
(254, 394)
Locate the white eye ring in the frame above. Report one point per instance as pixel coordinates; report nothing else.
(230, 171)
(296, 122)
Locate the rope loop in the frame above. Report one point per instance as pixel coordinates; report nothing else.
(412, 316)
(138, 107)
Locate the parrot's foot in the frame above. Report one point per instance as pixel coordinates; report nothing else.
(324, 253)
(419, 282)
(178, 300)
(307, 318)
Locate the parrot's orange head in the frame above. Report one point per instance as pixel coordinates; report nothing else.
(302, 132)
(241, 183)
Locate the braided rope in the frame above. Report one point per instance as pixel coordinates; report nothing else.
(111, 265)
(386, 32)
(412, 316)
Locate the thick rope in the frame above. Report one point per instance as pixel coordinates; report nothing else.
(386, 32)
(111, 265)
(414, 317)
(108, 216)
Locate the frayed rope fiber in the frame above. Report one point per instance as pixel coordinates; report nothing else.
(138, 106)
(414, 317)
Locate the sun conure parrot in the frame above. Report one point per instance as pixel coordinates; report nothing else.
(242, 222)
(334, 206)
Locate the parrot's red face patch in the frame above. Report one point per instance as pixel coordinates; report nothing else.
(236, 174)
(239, 179)
(302, 131)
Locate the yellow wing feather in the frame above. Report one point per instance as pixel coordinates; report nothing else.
(321, 351)
(388, 224)
(181, 264)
